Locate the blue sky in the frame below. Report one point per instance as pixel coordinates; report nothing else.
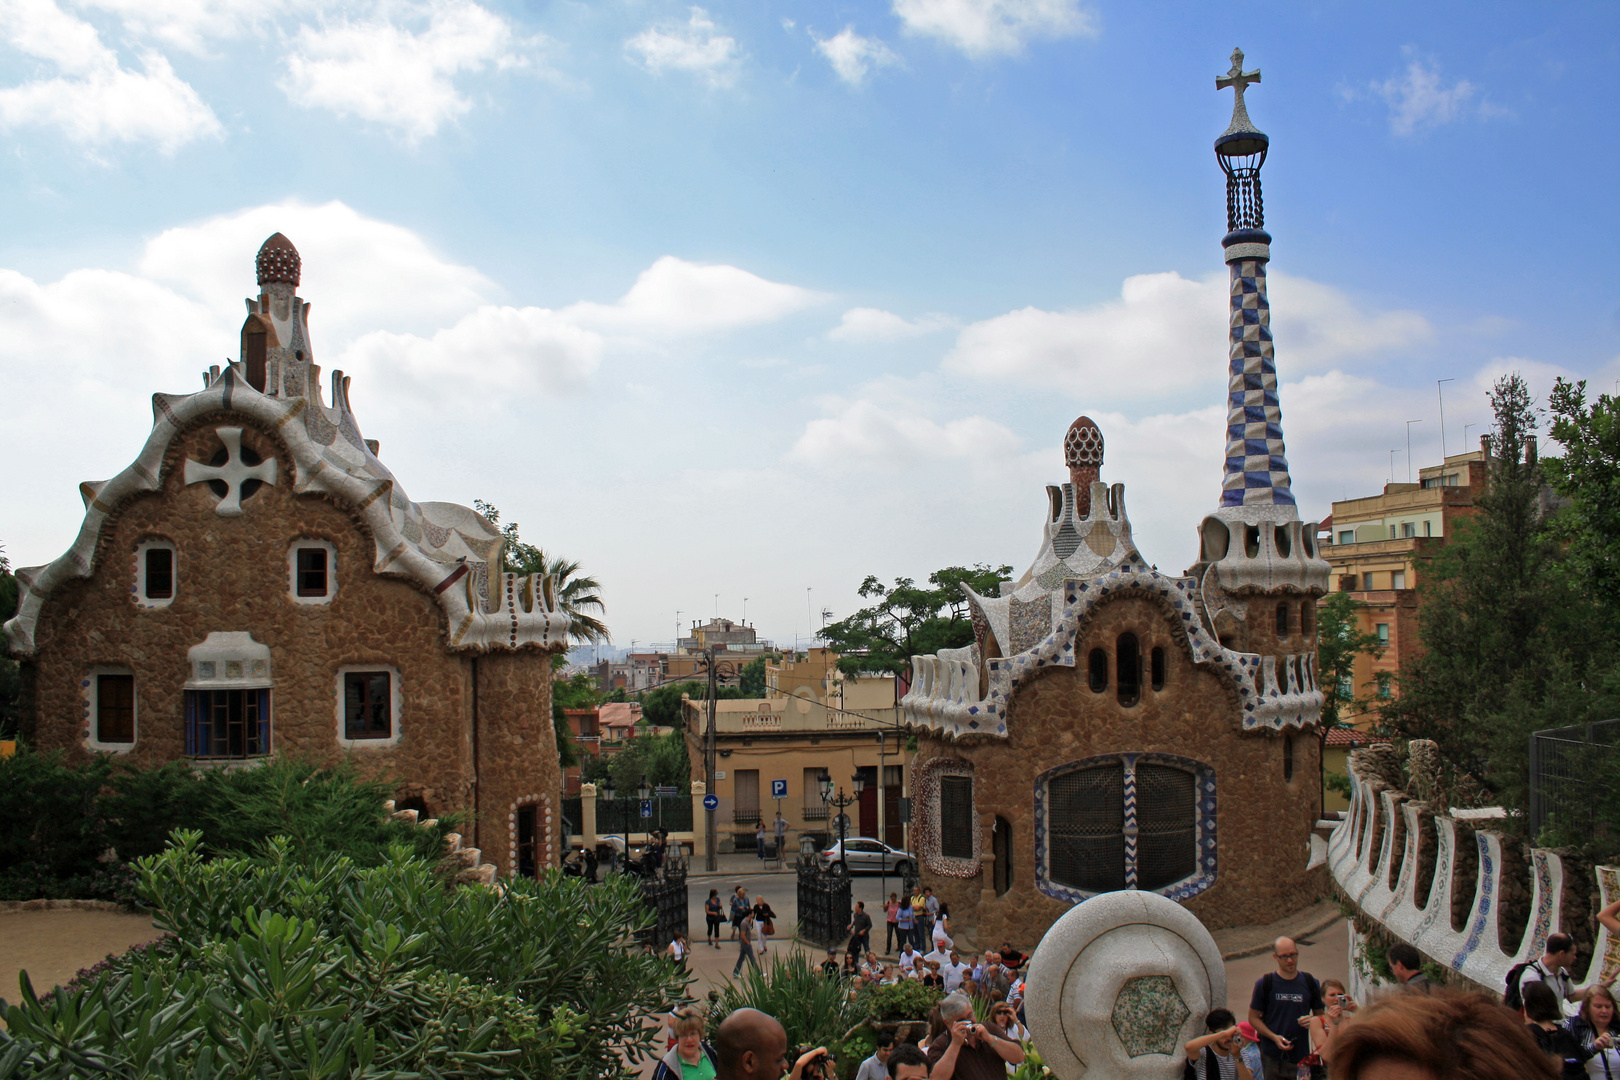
(756, 299)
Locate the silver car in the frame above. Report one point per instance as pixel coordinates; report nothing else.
(865, 854)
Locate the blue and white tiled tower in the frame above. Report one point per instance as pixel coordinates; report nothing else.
(1254, 543)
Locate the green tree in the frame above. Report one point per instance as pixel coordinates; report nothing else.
(751, 680)
(1339, 642)
(1588, 477)
(578, 691)
(1509, 642)
(577, 595)
(907, 619)
(661, 759)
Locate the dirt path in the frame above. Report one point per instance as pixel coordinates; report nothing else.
(53, 945)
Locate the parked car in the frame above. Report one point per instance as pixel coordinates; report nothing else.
(864, 854)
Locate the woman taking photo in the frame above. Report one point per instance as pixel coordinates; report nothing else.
(1596, 1032)
(1337, 1006)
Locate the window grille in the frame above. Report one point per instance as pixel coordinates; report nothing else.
(1085, 824)
(228, 723)
(814, 808)
(1167, 825)
(367, 705)
(956, 817)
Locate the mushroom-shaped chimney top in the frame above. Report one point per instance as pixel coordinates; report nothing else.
(1083, 445)
(278, 261)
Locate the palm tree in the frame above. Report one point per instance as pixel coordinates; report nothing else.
(573, 593)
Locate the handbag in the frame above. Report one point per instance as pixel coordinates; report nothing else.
(770, 928)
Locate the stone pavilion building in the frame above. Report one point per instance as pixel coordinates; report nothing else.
(257, 582)
(1113, 727)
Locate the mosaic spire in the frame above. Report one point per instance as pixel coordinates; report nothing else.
(1256, 460)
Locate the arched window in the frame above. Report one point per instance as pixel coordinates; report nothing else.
(1098, 664)
(1003, 866)
(1282, 620)
(1288, 758)
(1159, 664)
(1307, 617)
(1128, 670)
(1126, 821)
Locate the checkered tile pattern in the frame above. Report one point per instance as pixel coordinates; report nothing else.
(1256, 462)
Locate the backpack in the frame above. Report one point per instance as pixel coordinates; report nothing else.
(1511, 997)
(1212, 1070)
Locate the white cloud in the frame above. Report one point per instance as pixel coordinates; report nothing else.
(1166, 332)
(514, 349)
(982, 28)
(403, 79)
(871, 433)
(696, 47)
(674, 296)
(864, 324)
(852, 55)
(360, 272)
(190, 24)
(94, 100)
(1419, 99)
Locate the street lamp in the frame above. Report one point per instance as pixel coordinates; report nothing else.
(606, 792)
(643, 794)
(840, 800)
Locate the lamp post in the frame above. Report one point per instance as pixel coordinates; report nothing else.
(606, 791)
(840, 800)
(644, 794)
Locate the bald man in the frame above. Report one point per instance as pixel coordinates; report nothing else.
(751, 1045)
(1280, 999)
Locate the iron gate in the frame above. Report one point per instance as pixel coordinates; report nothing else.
(824, 905)
(665, 896)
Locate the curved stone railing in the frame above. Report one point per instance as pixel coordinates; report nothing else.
(1380, 858)
(465, 863)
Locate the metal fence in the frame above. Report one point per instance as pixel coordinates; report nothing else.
(622, 817)
(665, 896)
(1566, 764)
(824, 904)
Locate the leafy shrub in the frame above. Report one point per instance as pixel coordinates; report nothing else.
(281, 968)
(815, 1010)
(907, 999)
(76, 827)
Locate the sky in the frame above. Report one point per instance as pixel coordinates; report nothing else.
(737, 304)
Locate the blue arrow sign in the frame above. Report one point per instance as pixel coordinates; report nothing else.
(711, 802)
(646, 808)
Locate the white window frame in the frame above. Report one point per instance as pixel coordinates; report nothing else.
(1397, 579)
(395, 702)
(292, 569)
(141, 599)
(91, 687)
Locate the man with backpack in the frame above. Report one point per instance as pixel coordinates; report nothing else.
(1281, 998)
(1552, 969)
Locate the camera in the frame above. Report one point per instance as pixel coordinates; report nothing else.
(820, 1068)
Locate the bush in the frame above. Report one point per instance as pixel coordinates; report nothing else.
(75, 828)
(907, 999)
(281, 968)
(815, 1010)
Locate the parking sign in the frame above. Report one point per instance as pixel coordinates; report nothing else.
(778, 789)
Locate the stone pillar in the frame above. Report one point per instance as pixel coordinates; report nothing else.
(587, 815)
(1256, 460)
(700, 817)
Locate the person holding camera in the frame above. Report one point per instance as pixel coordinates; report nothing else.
(969, 1050)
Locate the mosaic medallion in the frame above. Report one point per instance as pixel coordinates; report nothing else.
(1148, 1014)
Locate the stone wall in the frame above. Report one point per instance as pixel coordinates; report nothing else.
(1263, 823)
(232, 574)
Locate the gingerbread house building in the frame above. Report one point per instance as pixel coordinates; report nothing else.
(1113, 727)
(257, 582)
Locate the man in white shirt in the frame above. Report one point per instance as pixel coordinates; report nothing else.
(954, 971)
(1553, 969)
(908, 961)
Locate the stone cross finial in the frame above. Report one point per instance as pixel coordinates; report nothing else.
(233, 474)
(1239, 80)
